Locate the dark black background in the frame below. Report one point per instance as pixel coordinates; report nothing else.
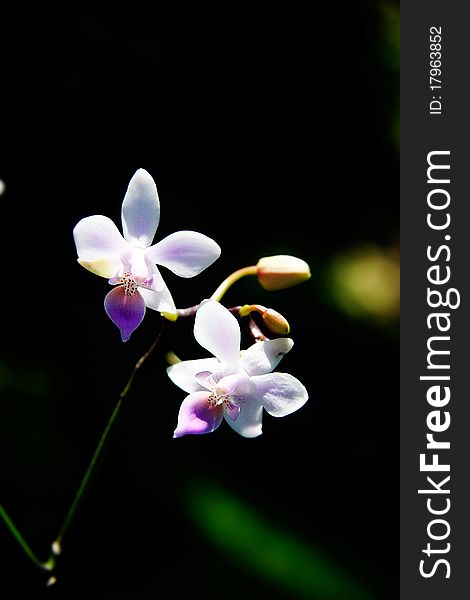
(265, 127)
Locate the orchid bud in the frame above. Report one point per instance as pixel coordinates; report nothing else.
(273, 320)
(281, 271)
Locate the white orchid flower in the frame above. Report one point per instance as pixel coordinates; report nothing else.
(130, 262)
(232, 385)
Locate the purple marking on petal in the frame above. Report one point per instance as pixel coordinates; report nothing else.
(198, 415)
(204, 379)
(232, 410)
(126, 311)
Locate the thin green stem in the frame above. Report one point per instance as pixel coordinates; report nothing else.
(49, 565)
(86, 479)
(231, 279)
(88, 473)
(45, 566)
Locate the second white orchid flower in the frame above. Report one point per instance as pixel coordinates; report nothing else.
(231, 384)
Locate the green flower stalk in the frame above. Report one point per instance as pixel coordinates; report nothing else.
(273, 272)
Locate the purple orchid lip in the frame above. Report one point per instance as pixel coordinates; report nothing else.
(198, 415)
(126, 309)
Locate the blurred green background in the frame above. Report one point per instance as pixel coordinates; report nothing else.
(273, 129)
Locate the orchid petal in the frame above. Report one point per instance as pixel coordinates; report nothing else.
(183, 374)
(280, 393)
(140, 210)
(232, 410)
(185, 253)
(104, 267)
(197, 415)
(161, 301)
(237, 384)
(217, 330)
(155, 280)
(263, 357)
(205, 378)
(126, 311)
(97, 237)
(249, 419)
